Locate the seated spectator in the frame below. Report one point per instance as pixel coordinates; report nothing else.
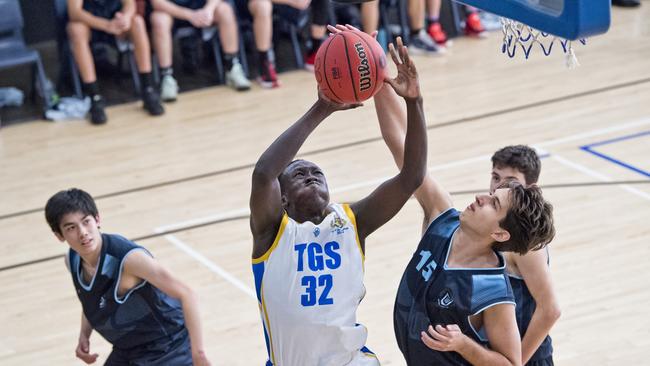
(94, 19)
(420, 42)
(168, 14)
(260, 12)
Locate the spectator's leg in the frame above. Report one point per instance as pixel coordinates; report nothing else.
(262, 12)
(140, 39)
(421, 42)
(370, 16)
(433, 18)
(79, 35)
(161, 27)
(224, 17)
(320, 14)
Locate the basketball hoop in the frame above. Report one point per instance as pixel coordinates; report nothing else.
(519, 35)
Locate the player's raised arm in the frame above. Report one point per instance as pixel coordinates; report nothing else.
(266, 202)
(382, 204)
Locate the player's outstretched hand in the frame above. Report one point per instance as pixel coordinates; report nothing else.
(83, 351)
(444, 339)
(406, 83)
(333, 106)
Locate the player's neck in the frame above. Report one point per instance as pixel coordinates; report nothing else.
(314, 216)
(471, 251)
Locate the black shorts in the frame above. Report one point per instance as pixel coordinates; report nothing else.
(177, 353)
(548, 361)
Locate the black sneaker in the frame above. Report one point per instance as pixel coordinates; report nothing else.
(151, 101)
(97, 114)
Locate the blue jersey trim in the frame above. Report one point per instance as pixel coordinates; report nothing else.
(119, 277)
(480, 334)
(502, 261)
(80, 278)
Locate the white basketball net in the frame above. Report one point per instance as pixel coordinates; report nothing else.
(518, 35)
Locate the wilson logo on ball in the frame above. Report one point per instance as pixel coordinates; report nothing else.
(363, 68)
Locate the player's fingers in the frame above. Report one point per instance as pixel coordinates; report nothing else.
(453, 327)
(436, 335)
(352, 28)
(430, 342)
(393, 54)
(442, 330)
(332, 29)
(374, 34)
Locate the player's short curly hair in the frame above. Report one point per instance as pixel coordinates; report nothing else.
(520, 157)
(529, 220)
(65, 202)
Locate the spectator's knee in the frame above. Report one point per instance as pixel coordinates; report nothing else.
(225, 12)
(138, 23)
(78, 32)
(160, 21)
(261, 8)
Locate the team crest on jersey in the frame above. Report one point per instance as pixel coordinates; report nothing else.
(102, 302)
(316, 232)
(445, 300)
(338, 224)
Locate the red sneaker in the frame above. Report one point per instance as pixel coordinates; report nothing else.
(268, 77)
(309, 61)
(437, 34)
(473, 26)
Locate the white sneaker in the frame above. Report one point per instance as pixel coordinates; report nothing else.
(168, 88)
(236, 78)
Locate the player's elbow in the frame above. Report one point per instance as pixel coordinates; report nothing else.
(552, 313)
(412, 180)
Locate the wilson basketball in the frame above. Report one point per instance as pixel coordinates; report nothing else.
(350, 67)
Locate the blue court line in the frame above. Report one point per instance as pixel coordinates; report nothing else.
(588, 148)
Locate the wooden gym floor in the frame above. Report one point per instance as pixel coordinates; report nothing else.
(179, 185)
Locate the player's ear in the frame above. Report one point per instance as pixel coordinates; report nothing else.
(500, 235)
(285, 202)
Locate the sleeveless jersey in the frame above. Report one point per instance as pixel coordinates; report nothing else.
(432, 293)
(309, 285)
(136, 321)
(525, 308)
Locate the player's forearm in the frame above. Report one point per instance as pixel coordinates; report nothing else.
(86, 327)
(415, 146)
(190, 305)
(478, 355)
(392, 122)
(273, 161)
(540, 325)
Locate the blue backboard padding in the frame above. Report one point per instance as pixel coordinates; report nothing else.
(578, 18)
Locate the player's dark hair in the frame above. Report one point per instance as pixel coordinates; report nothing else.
(529, 220)
(520, 157)
(65, 202)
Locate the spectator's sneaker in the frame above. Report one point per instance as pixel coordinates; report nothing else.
(168, 88)
(268, 77)
(151, 102)
(236, 78)
(422, 44)
(96, 112)
(309, 61)
(473, 26)
(438, 35)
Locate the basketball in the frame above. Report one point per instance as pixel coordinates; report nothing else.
(350, 67)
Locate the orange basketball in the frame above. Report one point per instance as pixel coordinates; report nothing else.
(350, 67)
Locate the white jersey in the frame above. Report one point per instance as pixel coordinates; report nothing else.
(309, 285)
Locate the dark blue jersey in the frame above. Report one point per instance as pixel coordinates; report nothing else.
(432, 293)
(525, 308)
(142, 319)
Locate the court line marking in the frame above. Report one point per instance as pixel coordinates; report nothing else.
(590, 148)
(211, 265)
(599, 176)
